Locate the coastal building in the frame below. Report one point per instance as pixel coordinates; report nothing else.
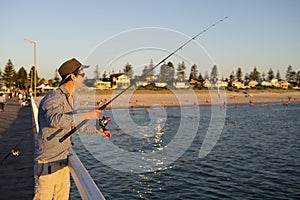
(274, 82)
(141, 84)
(252, 84)
(238, 85)
(266, 83)
(160, 84)
(284, 84)
(119, 81)
(280, 84)
(207, 83)
(181, 85)
(221, 84)
(103, 84)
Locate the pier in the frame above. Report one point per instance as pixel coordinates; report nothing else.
(16, 131)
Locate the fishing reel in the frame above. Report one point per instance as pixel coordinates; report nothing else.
(15, 152)
(103, 122)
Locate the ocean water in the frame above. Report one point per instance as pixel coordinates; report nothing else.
(257, 157)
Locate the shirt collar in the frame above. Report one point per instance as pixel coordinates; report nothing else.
(64, 90)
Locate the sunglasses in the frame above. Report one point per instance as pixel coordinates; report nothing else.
(82, 75)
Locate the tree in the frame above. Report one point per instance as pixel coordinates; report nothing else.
(194, 72)
(97, 72)
(247, 77)
(167, 73)
(239, 74)
(42, 81)
(200, 78)
(278, 77)
(148, 72)
(171, 71)
(151, 70)
(56, 78)
(50, 82)
(104, 75)
(206, 77)
(290, 74)
(214, 73)
(128, 70)
(145, 73)
(263, 75)
(32, 74)
(22, 80)
(180, 71)
(270, 74)
(255, 75)
(9, 74)
(298, 78)
(164, 73)
(232, 76)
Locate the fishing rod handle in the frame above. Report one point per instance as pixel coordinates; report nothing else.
(73, 130)
(103, 107)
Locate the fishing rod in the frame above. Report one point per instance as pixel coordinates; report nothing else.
(102, 121)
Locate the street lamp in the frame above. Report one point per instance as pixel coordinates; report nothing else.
(34, 71)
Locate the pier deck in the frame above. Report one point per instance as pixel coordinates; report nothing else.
(16, 173)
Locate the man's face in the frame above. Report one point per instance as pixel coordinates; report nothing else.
(79, 79)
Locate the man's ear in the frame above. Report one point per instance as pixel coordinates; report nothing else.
(73, 77)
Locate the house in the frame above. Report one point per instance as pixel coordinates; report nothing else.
(221, 84)
(238, 85)
(141, 83)
(275, 82)
(151, 78)
(160, 84)
(181, 85)
(207, 83)
(280, 84)
(284, 84)
(252, 84)
(103, 84)
(196, 83)
(119, 81)
(266, 84)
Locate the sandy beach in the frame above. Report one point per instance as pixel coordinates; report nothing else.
(147, 98)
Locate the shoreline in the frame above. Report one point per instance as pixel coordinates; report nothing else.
(146, 98)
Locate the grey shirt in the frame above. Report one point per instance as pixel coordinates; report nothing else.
(56, 117)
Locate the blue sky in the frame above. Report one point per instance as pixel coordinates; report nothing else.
(261, 33)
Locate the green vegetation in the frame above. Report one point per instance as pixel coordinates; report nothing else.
(168, 74)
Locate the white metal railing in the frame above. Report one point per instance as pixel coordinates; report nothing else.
(83, 181)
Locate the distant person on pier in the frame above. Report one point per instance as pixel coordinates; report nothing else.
(56, 117)
(2, 102)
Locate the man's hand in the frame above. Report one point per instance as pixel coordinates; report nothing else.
(94, 114)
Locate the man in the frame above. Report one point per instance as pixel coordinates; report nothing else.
(2, 102)
(56, 117)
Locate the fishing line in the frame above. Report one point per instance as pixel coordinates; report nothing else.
(74, 129)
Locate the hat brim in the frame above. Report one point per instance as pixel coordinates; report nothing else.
(84, 66)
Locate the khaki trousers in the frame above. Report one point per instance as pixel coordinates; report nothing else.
(55, 186)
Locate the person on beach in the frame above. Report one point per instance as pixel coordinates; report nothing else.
(56, 117)
(2, 102)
